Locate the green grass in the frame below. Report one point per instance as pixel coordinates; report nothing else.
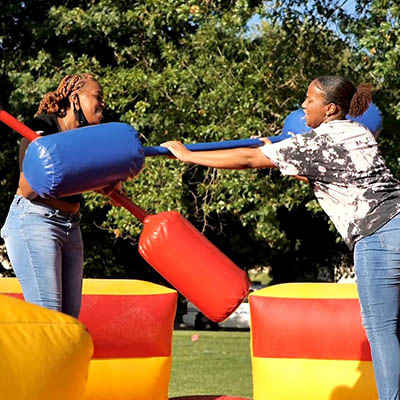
(218, 363)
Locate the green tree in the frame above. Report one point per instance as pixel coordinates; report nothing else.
(191, 70)
(377, 32)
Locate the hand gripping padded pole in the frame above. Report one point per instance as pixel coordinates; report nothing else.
(101, 155)
(169, 243)
(92, 157)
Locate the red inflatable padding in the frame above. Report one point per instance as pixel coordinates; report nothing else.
(193, 265)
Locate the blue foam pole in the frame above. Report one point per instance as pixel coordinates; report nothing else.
(227, 144)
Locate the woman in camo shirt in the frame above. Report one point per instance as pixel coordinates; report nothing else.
(341, 161)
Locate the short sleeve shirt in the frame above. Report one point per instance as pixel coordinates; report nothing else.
(347, 173)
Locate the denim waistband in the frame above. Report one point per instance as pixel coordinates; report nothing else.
(70, 216)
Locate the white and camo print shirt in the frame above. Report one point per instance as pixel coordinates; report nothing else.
(347, 173)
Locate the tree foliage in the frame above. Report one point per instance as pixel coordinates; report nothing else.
(193, 71)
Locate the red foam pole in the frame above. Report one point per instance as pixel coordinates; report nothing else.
(18, 126)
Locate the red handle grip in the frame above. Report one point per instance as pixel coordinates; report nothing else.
(125, 202)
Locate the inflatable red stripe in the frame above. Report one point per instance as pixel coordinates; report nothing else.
(142, 324)
(16, 295)
(295, 326)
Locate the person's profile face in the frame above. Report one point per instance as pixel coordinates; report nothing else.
(314, 106)
(91, 100)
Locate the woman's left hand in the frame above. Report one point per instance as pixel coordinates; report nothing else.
(178, 150)
(265, 140)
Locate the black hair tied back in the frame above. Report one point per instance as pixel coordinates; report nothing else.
(361, 100)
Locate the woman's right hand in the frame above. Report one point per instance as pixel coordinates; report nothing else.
(178, 150)
(107, 190)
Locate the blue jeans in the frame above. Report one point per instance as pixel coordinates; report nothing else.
(46, 252)
(377, 266)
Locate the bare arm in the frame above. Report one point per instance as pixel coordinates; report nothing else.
(241, 158)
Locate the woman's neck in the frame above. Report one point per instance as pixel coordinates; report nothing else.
(68, 122)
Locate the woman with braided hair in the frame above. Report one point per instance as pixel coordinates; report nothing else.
(43, 236)
(341, 161)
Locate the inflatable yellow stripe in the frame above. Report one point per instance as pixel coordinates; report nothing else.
(129, 378)
(123, 286)
(310, 291)
(100, 286)
(305, 379)
(10, 285)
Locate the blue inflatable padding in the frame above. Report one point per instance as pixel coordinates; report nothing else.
(295, 122)
(83, 159)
